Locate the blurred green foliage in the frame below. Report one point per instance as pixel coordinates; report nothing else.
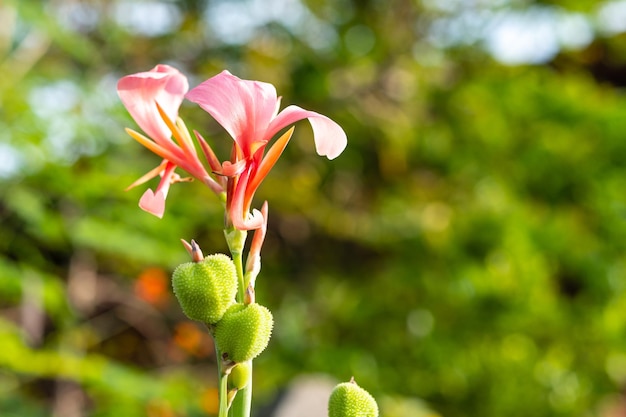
(464, 255)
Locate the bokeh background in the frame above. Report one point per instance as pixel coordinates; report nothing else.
(465, 256)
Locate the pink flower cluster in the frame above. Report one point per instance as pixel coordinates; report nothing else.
(248, 111)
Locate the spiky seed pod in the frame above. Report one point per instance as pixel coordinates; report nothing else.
(207, 288)
(350, 400)
(244, 331)
(240, 375)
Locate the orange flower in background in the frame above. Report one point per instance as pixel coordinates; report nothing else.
(192, 340)
(209, 401)
(153, 286)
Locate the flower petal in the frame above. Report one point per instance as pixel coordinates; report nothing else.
(171, 153)
(149, 175)
(267, 163)
(238, 213)
(330, 138)
(153, 203)
(163, 84)
(252, 221)
(253, 262)
(210, 156)
(230, 170)
(244, 108)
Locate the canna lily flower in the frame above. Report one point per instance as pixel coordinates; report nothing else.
(152, 98)
(248, 110)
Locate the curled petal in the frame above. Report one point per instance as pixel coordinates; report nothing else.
(259, 234)
(330, 138)
(254, 220)
(230, 170)
(253, 263)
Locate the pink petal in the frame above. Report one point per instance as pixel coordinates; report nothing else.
(252, 221)
(238, 212)
(230, 170)
(153, 203)
(244, 108)
(163, 84)
(330, 138)
(210, 156)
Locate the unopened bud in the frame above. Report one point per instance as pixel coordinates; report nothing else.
(207, 288)
(240, 375)
(244, 331)
(350, 400)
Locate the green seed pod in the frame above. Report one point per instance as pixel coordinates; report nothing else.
(207, 288)
(244, 331)
(350, 400)
(240, 375)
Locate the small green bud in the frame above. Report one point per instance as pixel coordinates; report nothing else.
(207, 288)
(350, 400)
(240, 375)
(244, 331)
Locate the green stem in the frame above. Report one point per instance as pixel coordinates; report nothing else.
(222, 381)
(236, 240)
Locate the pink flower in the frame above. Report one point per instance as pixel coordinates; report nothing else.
(248, 110)
(152, 98)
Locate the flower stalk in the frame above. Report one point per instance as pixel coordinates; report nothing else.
(236, 240)
(249, 112)
(222, 383)
(240, 405)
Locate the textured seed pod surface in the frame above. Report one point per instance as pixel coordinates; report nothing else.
(244, 331)
(350, 400)
(207, 288)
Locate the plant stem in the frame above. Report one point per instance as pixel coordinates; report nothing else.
(236, 240)
(222, 383)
